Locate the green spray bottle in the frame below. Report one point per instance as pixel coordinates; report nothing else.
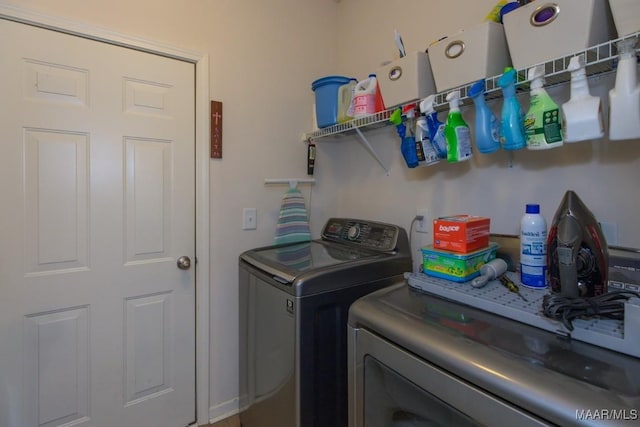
(456, 131)
(543, 121)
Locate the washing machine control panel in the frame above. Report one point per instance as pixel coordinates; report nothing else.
(367, 234)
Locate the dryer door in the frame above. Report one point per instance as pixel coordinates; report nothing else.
(391, 387)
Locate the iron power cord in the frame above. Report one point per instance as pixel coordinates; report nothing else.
(565, 309)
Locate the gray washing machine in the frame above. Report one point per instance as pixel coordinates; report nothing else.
(418, 360)
(294, 302)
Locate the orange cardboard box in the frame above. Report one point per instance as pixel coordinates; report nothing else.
(461, 233)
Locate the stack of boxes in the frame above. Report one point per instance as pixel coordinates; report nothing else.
(460, 247)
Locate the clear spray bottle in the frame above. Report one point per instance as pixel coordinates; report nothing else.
(624, 98)
(582, 114)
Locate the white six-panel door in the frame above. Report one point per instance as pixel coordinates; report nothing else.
(97, 323)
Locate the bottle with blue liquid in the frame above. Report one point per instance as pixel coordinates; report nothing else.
(487, 126)
(435, 126)
(407, 142)
(512, 134)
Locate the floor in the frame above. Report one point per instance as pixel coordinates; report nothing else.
(233, 421)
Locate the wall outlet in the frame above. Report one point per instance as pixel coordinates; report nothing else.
(249, 218)
(422, 226)
(610, 231)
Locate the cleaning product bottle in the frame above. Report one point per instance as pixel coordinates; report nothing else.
(367, 97)
(512, 136)
(487, 126)
(436, 127)
(582, 114)
(533, 248)
(624, 98)
(345, 101)
(427, 155)
(456, 131)
(542, 123)
(407, 142)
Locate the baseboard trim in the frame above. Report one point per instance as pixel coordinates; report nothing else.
(223, 410)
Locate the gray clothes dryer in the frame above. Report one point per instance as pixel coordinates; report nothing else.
(420, 360)
(294, 302)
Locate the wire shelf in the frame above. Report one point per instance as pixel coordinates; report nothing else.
(599, 60)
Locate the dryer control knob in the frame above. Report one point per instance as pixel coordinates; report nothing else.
(353, 232)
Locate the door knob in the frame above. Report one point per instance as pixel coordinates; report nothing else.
(184, 262)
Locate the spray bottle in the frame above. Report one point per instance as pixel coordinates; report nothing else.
(456, 131)
(542, 123)
(408, 142)
(624, 98)
(582, 114)
(487, 126)
(512, 136)
(436, 127)
(427, 155)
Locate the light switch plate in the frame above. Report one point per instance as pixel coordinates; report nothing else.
(249, 218)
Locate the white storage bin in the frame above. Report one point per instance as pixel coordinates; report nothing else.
(542, 31)
(469, 55)
(626, 16)
(406, 80)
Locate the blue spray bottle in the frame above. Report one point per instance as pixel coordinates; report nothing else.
(512, 134)
(435, 126)
(487, 126)
(408, 142)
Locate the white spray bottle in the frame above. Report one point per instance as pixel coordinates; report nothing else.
(582, 114)
(624, 98)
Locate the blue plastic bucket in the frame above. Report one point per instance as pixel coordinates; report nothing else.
(326, 92)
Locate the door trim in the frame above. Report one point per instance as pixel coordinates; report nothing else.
(201, 62)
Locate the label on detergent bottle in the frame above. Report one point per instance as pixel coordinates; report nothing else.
(543, 128)
(463, 149)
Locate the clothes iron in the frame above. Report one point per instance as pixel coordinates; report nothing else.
(577, 252)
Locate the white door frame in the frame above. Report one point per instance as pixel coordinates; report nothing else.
(202, 131)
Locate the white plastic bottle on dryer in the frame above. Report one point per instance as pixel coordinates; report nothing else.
(624, 98)
(582, 114)
(533, 248)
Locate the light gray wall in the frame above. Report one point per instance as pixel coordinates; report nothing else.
(604, 174)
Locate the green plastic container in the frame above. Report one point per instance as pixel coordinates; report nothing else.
(455, 266)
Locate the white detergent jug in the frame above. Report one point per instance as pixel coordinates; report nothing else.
(364, 97)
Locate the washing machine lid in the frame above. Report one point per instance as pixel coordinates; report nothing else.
(288, 263)
(533, 368)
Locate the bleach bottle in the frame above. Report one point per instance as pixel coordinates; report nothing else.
(456, 131)
(542, 123)
(582, 114)
(512, 136)
(435, 126)
(367, 99)
(624, 98)
(487, 126)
